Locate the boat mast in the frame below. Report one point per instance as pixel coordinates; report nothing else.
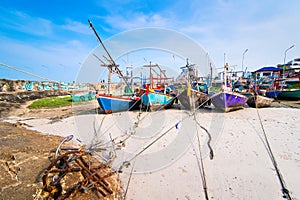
(211, 75)
(161, 75)
(151, 75)
(110, 71)
(225, 75)
(112, 66)
(99, 39)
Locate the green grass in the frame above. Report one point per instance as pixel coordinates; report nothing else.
(51, 102)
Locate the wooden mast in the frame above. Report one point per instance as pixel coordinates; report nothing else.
(151, 75)
(112, 66)
(98, 37)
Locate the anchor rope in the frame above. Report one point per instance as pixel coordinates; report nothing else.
(284, 190)
(211, 153)
(202, 127)
(150, 144)
(202, 171)
(167, 131)
(128, 182)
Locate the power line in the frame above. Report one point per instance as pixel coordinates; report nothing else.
(25, 72)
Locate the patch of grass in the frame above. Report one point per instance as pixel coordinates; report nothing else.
(51, 102)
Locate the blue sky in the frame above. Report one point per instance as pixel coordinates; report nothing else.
(52, 38)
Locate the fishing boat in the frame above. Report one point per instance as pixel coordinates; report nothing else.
(111, 103)
(155, 101)
(285, 89)
(258, 101)
(154, 95)
(226, 100)
(195, 95)
(191, 99)
(272, 93)
(289, 94)
(270, 90)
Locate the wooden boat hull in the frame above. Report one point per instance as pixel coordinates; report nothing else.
(228, 101)
(292, 94)
(258, 101)
(110, 104)
(192, 99)
(156, 100)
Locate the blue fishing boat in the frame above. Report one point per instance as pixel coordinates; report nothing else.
(110, 104)
(272, 93)
(157, 100)
(228, 101)
(155, 95)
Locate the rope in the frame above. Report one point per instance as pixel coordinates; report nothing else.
(284, 189)
(158, 138)
(28, 73)
(202, 127)
(129, 179)
(167, 131)
(202, 172)
(149, 145)
(211, 153)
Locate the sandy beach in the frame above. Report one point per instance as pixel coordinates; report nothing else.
(163, 149)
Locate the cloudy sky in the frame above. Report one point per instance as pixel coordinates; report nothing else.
(53, 39)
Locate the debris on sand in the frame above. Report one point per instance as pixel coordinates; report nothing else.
(77, 174)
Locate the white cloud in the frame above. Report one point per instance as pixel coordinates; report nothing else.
(76, 26)
(266, 28)
(22, 22)
(136, 20)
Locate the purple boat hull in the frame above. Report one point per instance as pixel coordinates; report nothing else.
(229, 101)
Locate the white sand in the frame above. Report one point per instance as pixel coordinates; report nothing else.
(169, 169)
